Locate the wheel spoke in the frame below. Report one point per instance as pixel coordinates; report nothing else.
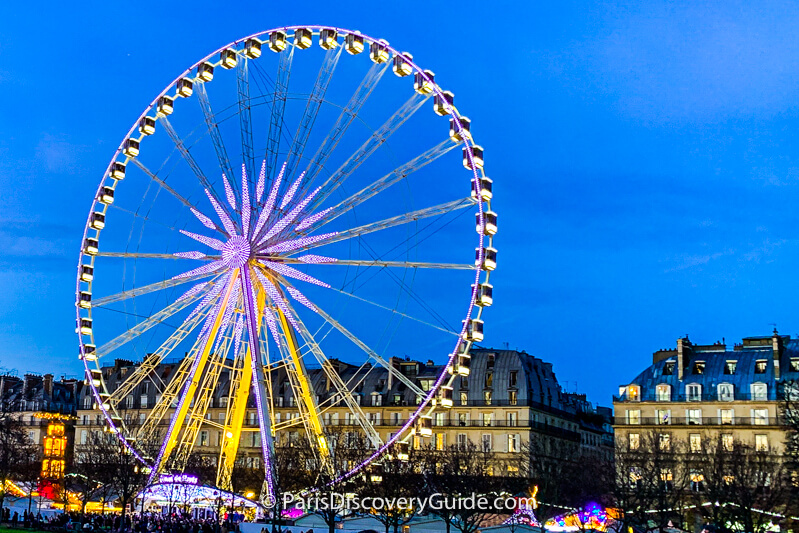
(146, 255)
(399, 220)
(190, 160)
(344, 120)
(276, 117)
(370, 146)
(245, 118)
(388, 264)
(132, 293)
(145, 325)
(213, 131)
(383, 183)
(312, 109)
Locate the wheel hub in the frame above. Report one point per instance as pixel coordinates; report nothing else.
(236, 252)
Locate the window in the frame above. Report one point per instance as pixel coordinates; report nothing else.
(726, 416)
(512, 419)
(374, 418)
(663, 416)
(699, 368)
(464, 382)
(695, 442)
(513, 397)
(84, 436)
(143, 401)
(759, 391)
(513, 443)
(377, 399)
(664, 442)
(667, 478)
(726, 392)
(634, 440)
(512, 378)
(634, 416)
(129, 402)
(440, 419)
(222, 401)
(487, 419)
(635, 476)
(395, 419)
(760, 417)
(760, 366)
(464, 398)
(441, 441)
(397, 399)
(668, 368)
(761, 443)
(729, 367)
(489, 379)
(462, 440)
(87, 401)
(694, 416)
(693, 392)
(663, 393)
(203, 438)
(486, 440)
(490, 360)
(634, 393)
(697, 481)
(727, 441)
(794, 364)
(487, 397)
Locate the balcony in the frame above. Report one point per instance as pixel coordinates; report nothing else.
(704, 421)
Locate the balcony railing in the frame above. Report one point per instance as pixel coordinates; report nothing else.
(703, 421)
(706, 396)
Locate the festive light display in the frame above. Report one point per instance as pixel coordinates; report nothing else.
(591, 517)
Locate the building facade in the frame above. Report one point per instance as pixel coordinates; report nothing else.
(694, 392)
(509, 398)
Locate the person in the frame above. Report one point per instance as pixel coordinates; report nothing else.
(14, 519)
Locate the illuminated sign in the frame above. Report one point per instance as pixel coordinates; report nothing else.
(179, 478)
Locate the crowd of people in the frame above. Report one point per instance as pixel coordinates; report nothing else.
(132, 523)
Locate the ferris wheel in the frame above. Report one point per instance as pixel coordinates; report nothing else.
(278, 207)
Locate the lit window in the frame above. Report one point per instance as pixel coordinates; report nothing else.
(634, 416)
(697, 480)
(694, 417)
(512, 419)
(760, 417)
(667, 477)
(441, 441)
(129, 402)
(699, 367)
(726, 392)
(760, 366)
(729, 367)
(633, 393)
(693, 392)
(143, 401)
(487, 397)
(663, 416)
(663, 393)
(794, 364)
(635, 441)
(464, 398)
(726, 416)
(513, 442)
(513, 397)
(761, 443)
(695, 442)
(664, 442)
(489, 379)
(487, 419)
(727, 442)
(486, 439)
(759, 391)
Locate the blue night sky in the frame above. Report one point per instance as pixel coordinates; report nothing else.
(644, 159)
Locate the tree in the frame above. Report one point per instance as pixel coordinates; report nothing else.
(396, 483)
(16, 448)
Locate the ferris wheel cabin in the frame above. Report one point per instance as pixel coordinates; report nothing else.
(443, 104)
(485, 295)
(378, 52)
(465, 132)
(106, 196)
(488, 225)
(353, 43)
(303, 38)
(401, 66)
(485, 185)
(474, 330)
(228, 59)
(146, 126)
(422, 85)
(97, 221)
(252, 48)
(486, 258)
(117, 171)
(205, 71)
(328, 38)
(278, 40)
(476, 160)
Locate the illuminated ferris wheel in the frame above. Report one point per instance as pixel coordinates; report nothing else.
(278, 206)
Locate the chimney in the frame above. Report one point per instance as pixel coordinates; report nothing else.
(48, 385)
(683, 355)
(28, 384)
(390, 374)
(776, 347)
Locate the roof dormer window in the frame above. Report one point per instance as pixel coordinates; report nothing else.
(729, 367)
(668, 368)
(699, 367)
(760, 366)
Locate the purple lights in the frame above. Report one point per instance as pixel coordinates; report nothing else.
(295, 244)
(236, 252)
(216, 244)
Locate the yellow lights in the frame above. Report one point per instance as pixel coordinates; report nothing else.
(465, 131)
(146, 127)
(250, 495)
(106, 196)
(85, 300)
(489, 223)
(205, 71)
(486, 185)
(91, 247)
(328, 38)
(131, 148)
(402, 451)
(228, 58)
(486, 258)
(378, 52)
(53, 416)
(303, 38)
(252, 48)
(118, 168)
(229, 434)
(353, 43)
(97, 221)
(401, 66)
(376, 478)
(423, 82)
(322, 443)
(184, 87)
(485, 295)
(88, 352)
(443, 103)
(166, 105)
(278, 41)
(86, 273)
(476, 160)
